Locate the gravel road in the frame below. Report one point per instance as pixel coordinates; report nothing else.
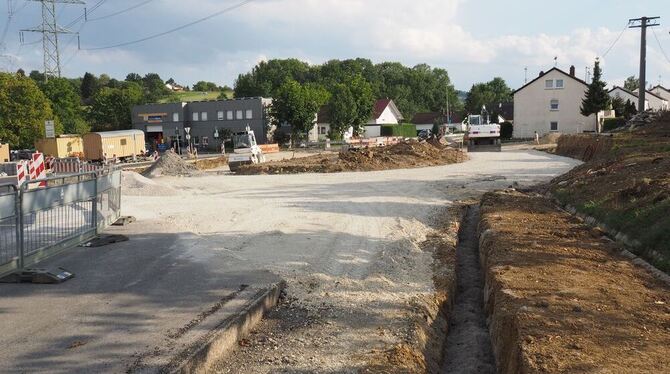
(347, 245)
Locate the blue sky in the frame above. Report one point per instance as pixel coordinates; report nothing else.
(474, 40)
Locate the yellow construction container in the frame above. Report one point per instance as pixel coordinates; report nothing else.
(62, 146)
(4, 152)
(107, 145)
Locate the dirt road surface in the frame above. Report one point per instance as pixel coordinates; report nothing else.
(347, 245)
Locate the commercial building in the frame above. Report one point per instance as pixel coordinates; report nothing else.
(207, 120)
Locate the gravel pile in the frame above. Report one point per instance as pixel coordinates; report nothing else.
(170, 164)
(640, 120)
(134, 184)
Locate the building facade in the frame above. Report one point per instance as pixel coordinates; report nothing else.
(661, 91)
(551, 104)
(654, 101)
(165, 123)
(625, 95)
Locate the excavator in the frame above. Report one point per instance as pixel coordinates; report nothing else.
(245, 150)
(482, 136)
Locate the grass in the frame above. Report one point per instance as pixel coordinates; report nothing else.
(189, 96)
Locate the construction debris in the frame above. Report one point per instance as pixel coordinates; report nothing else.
(403, 155)
(640, 120)
(170, 164)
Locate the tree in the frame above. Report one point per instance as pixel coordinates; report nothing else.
(134, 77)
(89, 86)
(66, 105)
(23, 110)
(630, 109)
(37, 76)
(110, 107)
(154, 88)
(596, 98)
(170, 81)
(490, 94)
(618, 105)
(631, 83)
(268, 76)
(297, 104)
(205, 86)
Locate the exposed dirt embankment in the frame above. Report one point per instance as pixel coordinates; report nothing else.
(560, 298)
(399, 156)
(625, 184)
(583, 147)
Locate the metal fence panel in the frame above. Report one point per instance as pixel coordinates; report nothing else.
(36, 223)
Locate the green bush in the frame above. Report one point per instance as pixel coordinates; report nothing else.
(506, 130)
(404, 131)
(613, 123)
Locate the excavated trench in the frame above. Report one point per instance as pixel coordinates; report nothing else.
(468, 347)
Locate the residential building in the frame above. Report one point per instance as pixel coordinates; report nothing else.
(551, 104)
(661, 91)
(656, 102)
(384, 112)
(426, 121)
(164, 123)
(626, 96)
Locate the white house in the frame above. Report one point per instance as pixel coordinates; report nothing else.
(551, 104)
(385, 112)
(626, 95)
(655, 102)
(661, 91)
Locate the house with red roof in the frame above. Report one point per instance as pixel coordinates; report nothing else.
(384, 112)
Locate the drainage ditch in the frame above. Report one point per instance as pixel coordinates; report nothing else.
(468, 347)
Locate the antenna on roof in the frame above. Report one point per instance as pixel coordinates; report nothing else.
(555, 61)
(525, 75)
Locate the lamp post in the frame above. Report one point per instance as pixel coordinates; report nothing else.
(216, 135)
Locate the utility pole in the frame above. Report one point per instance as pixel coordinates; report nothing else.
(50, 30)
(642, 23)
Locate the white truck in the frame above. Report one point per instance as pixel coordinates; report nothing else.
(246, 150)
(482, 136)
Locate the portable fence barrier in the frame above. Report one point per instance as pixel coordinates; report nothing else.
(39, 222)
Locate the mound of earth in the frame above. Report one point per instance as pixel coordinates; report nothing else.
(134, 184)
(399, 156)
(170, 164)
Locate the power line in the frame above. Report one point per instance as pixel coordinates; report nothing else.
(660, 46)
(120, 11)
(226, 10)
(616, 40)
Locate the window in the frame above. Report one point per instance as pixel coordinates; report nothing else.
(203, 116)
(195, 116)
(196, 140)
(559, 83)
(219, 115)
(322, 130)
(175, 117)
(249, 114)
(229, 115)
(553, 105)
(238, 114)
(553, 126)
(124, 142)
(549, 83)
(205, 140)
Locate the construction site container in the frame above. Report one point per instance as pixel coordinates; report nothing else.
(4, 152)
(62, 146)
(120, 144)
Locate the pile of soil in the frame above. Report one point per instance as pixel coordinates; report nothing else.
(399, 156)
(211, 163)
(561, 299)
(134, 184)
(170, 164)
(625, 184)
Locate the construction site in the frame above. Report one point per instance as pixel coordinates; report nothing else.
(414, 257)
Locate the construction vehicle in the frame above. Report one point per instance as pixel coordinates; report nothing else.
(482, 136)
(245, 150)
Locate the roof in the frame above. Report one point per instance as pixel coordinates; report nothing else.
(661, 87)
(654, 95)
(431, 117)
(622, 89)
(381, 105)
(112, 134)
(543, 74)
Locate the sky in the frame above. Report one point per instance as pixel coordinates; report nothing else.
(474, 40)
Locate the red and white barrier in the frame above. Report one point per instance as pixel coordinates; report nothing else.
(72, 165)
(37, 168)
(21, 173)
